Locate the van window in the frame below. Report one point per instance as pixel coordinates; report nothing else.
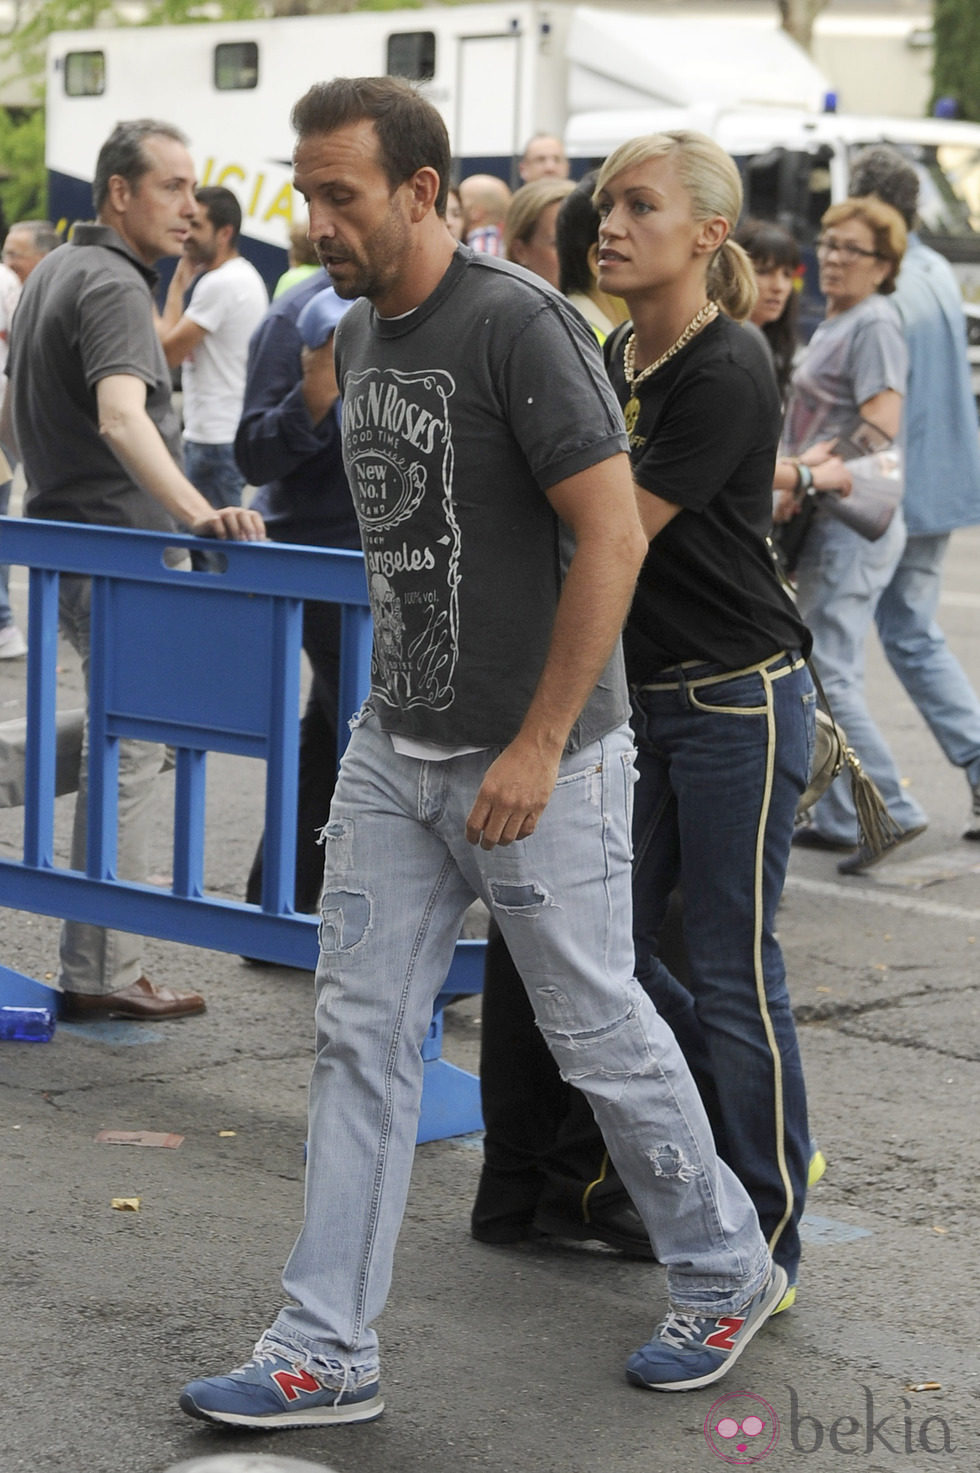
(412, 54)
(236, 66)
(85, 73)
(792, 188)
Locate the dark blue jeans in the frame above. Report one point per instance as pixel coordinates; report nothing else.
(723, 759)
(213, 470)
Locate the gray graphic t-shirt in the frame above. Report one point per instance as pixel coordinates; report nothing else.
(851, 358)
(457, 419)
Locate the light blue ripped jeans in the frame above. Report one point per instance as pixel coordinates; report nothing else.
(399, 876)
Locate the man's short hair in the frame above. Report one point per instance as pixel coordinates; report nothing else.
(411, 133)
(123, 153)
(882, 171)
(42, 232)
(222, 207)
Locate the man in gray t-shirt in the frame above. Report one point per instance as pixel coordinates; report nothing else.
(497, 512)
(99, 438)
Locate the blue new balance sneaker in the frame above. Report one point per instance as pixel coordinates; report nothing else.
(692, 1350)
(273, 1390)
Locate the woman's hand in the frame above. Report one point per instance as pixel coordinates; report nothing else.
(832, 475)
(817, 453)
(785, 505)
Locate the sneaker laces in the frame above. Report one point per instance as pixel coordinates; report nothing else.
(266, 1353)
(681, 1330)
(303, 1361)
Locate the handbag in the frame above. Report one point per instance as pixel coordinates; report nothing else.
(831, 754)
(877, 486)
(877, 479)
(787, 538)
(828, 761)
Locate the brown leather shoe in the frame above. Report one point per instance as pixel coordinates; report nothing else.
(142, 1000)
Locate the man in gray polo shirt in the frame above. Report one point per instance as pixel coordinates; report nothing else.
(100, 441)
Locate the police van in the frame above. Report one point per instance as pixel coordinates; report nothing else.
(594, 75)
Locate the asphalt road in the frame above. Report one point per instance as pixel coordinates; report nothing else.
(494, 1359)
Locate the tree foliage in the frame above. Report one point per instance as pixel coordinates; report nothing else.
(956, 63)
(24, 192)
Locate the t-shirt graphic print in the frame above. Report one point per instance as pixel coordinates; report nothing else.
(399, 458)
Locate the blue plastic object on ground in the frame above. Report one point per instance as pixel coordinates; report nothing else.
(26, 1025)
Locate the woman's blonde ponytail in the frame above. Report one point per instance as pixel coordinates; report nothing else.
(732, 281)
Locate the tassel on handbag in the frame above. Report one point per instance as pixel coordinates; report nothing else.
(875, 823)
(831, 755)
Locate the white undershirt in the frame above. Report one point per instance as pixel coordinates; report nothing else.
(428, 751)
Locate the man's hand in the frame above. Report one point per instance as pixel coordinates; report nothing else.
(184, 273)
(230, 523)
(512, 796)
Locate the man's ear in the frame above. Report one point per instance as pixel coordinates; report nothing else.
(424, 186)
(119, 192)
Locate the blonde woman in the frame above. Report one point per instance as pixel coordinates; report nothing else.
(723, 712)
(722, 700)
(529, 226)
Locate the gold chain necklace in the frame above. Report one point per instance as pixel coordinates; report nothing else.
(707, 314)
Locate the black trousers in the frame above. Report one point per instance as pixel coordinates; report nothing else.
(317, 758)
(542, 1147)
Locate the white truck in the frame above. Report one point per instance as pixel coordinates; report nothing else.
(497, 72)
(594, 74)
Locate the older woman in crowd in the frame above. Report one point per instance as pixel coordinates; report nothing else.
(854, 371)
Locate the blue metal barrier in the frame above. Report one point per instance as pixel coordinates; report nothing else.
(201, 661)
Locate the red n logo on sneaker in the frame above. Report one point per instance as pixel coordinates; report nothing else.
(723, 1339)
(291, 1383)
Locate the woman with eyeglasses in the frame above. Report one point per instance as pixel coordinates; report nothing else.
(854, 370)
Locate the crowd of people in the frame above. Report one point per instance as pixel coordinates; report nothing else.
(591, 703)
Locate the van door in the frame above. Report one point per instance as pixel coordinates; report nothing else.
(487, 124)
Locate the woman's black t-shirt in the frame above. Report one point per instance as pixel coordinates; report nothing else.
(705, 439)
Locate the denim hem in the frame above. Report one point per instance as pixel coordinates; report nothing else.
(696, 1294)
(355, 1373)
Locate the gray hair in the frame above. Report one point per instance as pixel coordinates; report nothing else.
(881, 170)
(123, 153)
(42, 232)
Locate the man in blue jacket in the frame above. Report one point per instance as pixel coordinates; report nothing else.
(288, 445)
(942, 481)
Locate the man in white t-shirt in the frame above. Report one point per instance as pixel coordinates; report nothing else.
(209, 338)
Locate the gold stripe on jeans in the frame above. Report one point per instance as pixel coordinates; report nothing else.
(757, 669)
(769, 676)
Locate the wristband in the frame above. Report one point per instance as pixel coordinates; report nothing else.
(804, 480)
